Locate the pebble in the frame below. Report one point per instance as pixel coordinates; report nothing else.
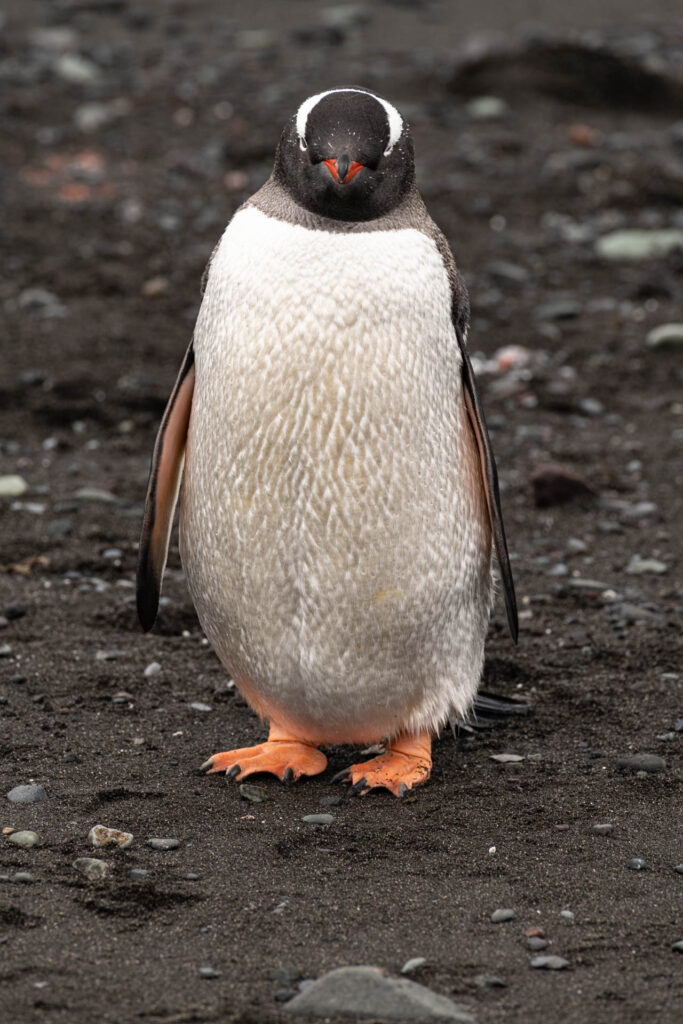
(414, 964)
(253, 793)
(330, 801)
(664, 335)
(164, 844)
(535, 944)
(639, 244)
(678, 946)
(486, 108)
(5, 651)
(153, 669)
(567, 916)
(24, 838)
(318, 819)
(489, 981)
(138, 872)
(549, 963)
(102, 835)
(208, 972)
(23, 876)
(14, 611)
(642, 763)
(637, 864)
(679, 869)
(562, 309)
(554, 484)
(93, 869)
(12, 486)
(73, 68)
(603, 828)
(504, 914)
(507, 758)
(198, 706)
(359, 992)
(639, 566)
(32, 794)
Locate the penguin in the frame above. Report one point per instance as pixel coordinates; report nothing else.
(340, 501)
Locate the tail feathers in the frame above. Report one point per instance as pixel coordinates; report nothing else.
(488, 712)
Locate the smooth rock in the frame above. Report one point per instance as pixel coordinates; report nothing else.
(414, 964)
(642, 763)
(198, 706)
(637, 864)
(535, 944)
(164, 844)
(638, 566)
(12, 486)
(679, 869)
(567, 916)
(318, 819)
(489, 981)
(507, 758)
(153, 669)
(678, 946)
(504, 914)
(73, 68)
(24, 838)
(665, 335)
(486, 108)
(208, 972)
(23, 876)
(603, 828)
(549, 963)
(102, 835)
(639, 244)
(362, 992)
(253, 793)
(138, 872)
(93, 869)
(32, 794)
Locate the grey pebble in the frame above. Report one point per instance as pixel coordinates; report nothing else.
(93, 869)
(536, 944)
(368, 992)
(32, 794)
(23, 876)
(254, 794)
(208, 972)
(283, 995)
(504, 914)
(678, 946)
(24, 838)
(192, 876)
(164, 844)
(330, 801)
(197, 705)
(138, 872)
(549, 963)
(679, 869)
(489, 981)
(637, 864)
(603, 829)
(414, 964)
(318, 819)
(567, 916)
(642, 763)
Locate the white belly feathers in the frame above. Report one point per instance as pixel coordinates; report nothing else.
(333, 523)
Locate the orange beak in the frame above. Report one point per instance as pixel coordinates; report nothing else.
(342, 170)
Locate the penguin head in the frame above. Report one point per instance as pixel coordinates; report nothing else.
(346, 154)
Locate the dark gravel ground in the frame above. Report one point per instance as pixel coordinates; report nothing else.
(130, 133)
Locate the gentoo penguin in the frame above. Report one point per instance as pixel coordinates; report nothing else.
(340, 498)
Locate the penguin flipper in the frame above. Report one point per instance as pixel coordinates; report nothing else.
(490, 476)
(162, 492)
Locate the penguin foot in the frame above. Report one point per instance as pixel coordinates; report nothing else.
(288, 759)
(407, 763)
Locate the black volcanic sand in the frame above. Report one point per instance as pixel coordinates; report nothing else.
(105, 231)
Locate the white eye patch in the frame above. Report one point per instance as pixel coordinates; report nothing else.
(394, 119)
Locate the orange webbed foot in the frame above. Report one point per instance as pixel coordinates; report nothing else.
(288, 759)
(406, 764)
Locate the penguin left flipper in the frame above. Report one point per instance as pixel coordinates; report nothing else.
(162, 492)
(407, 763)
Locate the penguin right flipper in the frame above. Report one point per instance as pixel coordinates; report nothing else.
(162, 492)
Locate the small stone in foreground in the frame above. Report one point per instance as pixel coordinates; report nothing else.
(208, 972)
(414, 964)
(102, 835)
(163, 844)
(489, 981)
(637, 864)
(254, 794)
(549, 963)
(27, 795)
(504, 914)
(23, 876)
(12, 486)
(643, 763)
(535, 944)
(665, 334)
(24, 838)
(603, 828)
(361, 992)
(93, 869)
(318, 819)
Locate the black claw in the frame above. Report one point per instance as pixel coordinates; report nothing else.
(203, 768)
(359, 788)
(288, 776)
(232, 772)
(342, 776)
(402, 790)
